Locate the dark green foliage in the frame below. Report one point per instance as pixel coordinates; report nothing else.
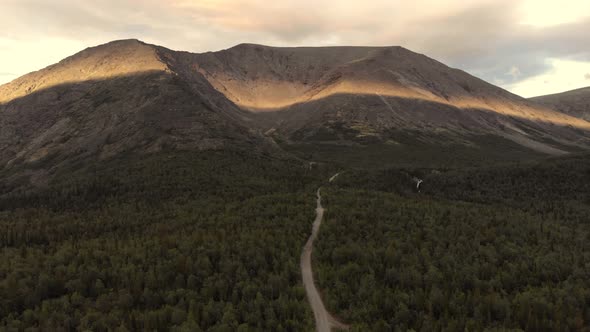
(180, 242)
(415, 149)
(504, 248)
(538, 185)
(211, 242)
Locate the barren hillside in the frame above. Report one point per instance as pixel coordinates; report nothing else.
(130, 96)
(308, 90)
(575, 103)
(114, 98)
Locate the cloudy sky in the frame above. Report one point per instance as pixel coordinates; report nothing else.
(530, 47)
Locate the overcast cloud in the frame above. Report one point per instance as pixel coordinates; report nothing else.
(530, 47)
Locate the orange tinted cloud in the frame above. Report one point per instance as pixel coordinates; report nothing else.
(484, 37)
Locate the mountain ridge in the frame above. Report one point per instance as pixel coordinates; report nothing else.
(574, 102)
(111, 99)
(128, 95)
(98, 62)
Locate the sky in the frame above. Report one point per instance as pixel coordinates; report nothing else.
(529, 47)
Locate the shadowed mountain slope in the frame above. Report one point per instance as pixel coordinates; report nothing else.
(575, 103)
(304, 92)
(114, 98)
(130, 96)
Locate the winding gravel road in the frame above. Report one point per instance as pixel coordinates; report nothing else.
(324, 320)
(333, 177)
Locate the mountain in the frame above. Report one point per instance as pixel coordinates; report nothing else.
(111, 99)
(575, 103)
(377, 93)
(146, 189)
(128, 96)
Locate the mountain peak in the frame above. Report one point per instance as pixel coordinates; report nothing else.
(243, 45)
(127, 95)
(113, 59)
(127, 41)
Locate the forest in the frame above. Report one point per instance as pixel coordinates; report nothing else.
(164, 242)
(502, 248)
(211, 241)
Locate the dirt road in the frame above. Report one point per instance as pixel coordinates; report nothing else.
(334, 177)
(324, 321)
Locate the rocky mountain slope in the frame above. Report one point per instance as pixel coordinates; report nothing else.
(110, 99)
(575, 103)
(130, 96)
(331, 93)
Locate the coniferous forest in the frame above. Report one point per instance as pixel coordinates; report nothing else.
(495, 249)
(175, 242)
(211, 242)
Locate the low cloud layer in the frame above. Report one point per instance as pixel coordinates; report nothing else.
(504, 42)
